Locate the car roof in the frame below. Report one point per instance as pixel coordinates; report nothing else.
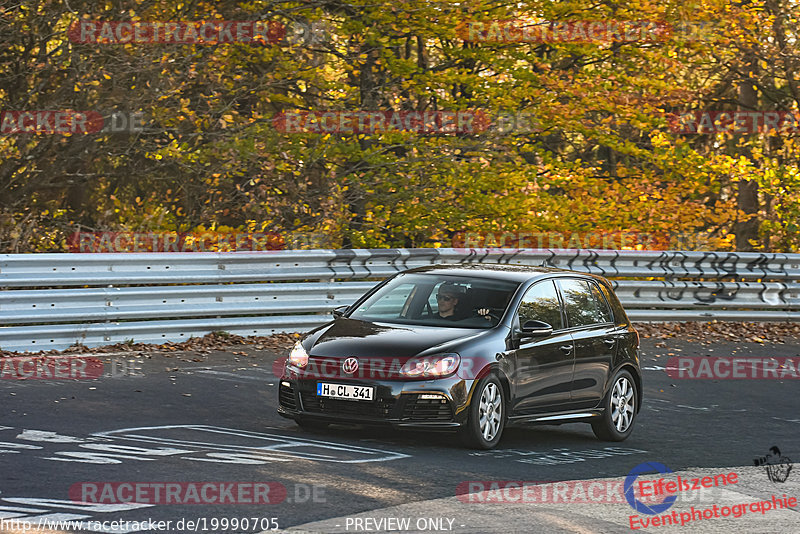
(497, 271)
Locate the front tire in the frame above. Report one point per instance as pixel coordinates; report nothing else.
(620, 403)
(487, 415)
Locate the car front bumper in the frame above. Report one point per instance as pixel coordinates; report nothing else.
(439, 404)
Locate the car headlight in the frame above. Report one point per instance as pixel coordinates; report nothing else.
(431, 366)
(298, 357)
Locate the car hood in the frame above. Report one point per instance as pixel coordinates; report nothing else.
(351, 337)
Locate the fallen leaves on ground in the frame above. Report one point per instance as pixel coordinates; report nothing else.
(722, 331)
(216, 341)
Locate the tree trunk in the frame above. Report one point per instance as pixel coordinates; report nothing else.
(746, 230)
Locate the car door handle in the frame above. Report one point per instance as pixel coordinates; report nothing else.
(566, 349)
(609, 341)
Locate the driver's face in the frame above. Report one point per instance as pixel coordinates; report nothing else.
(447, 301)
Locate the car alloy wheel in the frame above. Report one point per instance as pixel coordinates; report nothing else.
(491, 411)
(487, 415)
(616, 422)
(621, 408)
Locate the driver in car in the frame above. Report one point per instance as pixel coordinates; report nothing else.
(447, 297)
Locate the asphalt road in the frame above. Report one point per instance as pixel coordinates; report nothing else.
(188, 417)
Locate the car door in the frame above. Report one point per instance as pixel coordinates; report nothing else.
(594, 334)
(543, 372)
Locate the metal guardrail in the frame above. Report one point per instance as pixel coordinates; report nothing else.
(52, 301)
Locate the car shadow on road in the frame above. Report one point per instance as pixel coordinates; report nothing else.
(533, 437)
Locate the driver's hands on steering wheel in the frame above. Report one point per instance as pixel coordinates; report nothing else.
(485, 313)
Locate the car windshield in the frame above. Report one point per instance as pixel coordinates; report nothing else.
(438, 300)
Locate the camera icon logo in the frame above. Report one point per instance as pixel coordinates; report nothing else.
(776, 465)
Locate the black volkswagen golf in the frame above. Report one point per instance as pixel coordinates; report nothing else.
(471, 348)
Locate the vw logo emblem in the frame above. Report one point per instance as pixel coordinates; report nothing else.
(350, 366)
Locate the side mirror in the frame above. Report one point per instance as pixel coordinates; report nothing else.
(339, 311)
(536, 329)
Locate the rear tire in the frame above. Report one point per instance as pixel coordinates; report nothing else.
(620, 403)
(487, 415)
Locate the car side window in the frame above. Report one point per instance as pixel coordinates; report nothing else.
(613, 301)
(583, 303)
(541, 303)
(605, 313)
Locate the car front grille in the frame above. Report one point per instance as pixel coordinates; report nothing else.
(418, 409)
(286, 397)
(380, 409)
(369, 368)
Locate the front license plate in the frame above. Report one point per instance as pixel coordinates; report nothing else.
(345, 391)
